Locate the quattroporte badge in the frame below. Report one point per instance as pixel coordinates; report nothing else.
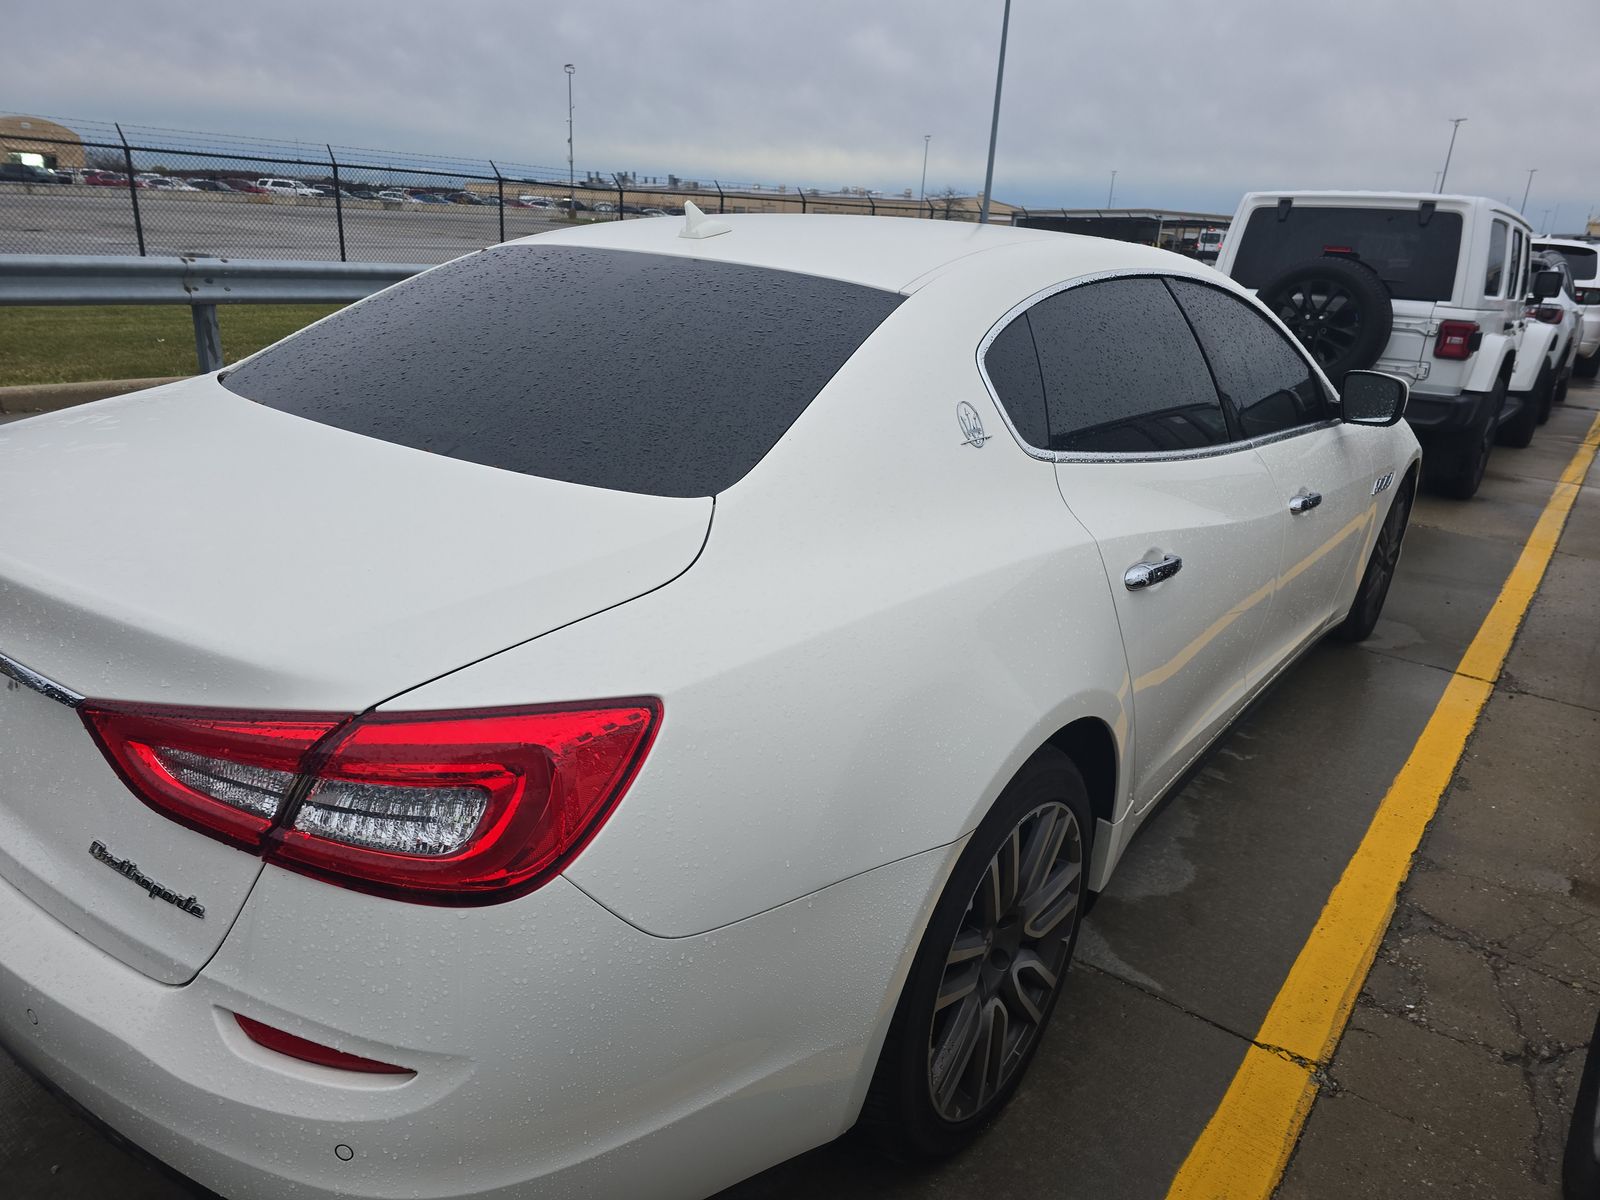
(129, 870)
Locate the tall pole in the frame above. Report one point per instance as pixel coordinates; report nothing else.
(572, 187)
(1523, 207)
(994, 123)
(923, 193)
(1111, 193)
(1455, 125)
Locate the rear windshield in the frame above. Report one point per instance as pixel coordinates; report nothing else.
(636, 372)
(1582, 262)
(1416, 260)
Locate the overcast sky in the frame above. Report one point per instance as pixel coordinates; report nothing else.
(1191, 103)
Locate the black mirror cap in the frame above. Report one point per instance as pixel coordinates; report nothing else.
(1373, 398)
(1547, 284)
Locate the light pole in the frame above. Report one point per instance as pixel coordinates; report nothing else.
(1455, 125)
(923, 193)
(572, 187)
(994, 124)
(1523, 207)
(1111, 193)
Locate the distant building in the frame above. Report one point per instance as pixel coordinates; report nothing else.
(40, 142)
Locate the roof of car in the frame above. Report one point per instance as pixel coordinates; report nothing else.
(1369, 197)
(1575, 243)
(892, 254)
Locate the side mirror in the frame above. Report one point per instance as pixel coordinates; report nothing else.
(1547, 284)
(1373, 398)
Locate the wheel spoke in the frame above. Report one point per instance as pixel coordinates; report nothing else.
(1028, 973)
(1044, 846)
(951, 1057)
(1007, 867)
(957, 984)
(990, 1060)
(968, 945)
(1045, 908)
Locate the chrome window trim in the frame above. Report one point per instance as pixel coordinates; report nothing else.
(33, 681)
(1114, 456)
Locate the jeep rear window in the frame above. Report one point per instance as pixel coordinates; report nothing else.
(636, 372)
(1584, 264)
(1417, 261)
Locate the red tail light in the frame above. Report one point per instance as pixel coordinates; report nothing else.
(1550, 314)
(1457, 339)
(314, 1052)
(440, 808)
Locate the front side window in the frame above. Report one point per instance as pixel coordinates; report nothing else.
(1122, 372)
(1494, 277)
(649, 373)
(1268, 383)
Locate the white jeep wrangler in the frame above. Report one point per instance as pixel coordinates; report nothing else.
(1429, 288)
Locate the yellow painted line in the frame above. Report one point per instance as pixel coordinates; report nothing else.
(1241, 1153)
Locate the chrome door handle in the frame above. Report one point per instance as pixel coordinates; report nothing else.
(1304, 502)
(1141, 575)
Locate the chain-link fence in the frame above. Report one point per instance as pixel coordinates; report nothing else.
(104, 189)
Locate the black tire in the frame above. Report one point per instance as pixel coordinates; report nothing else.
(1518, 432)
(1560, 396)
(1367, 606)
(967, 965)
(1587, 368)
(1338, 308)
(1580, 1166)
(1462, 461)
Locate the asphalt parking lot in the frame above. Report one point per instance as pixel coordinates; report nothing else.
(99, 220)
(1457, 1072)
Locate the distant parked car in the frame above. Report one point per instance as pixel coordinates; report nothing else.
(165, 183)
(1583, 260)
(536, 202)
(209, 185)
(428, 198)
(570, 203)
(16, 172)
(105, 179)
(244, 185)
(394, 194)
(654, 212)
(364, 193)
(282, 187)
(605, 206)
(1562, 311)
(464, 197)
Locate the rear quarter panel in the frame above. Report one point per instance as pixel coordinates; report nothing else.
(884, 625)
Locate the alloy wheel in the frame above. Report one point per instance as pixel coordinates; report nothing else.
(1324, 316)
(1006, 962)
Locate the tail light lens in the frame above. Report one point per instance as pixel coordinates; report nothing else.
(457, 808)
(1457, 339)
(1589, 295)
(1550, 314)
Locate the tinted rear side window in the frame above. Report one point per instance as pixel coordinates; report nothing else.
(1269, 385)
(1122, 372)
(636, 372)
(1014, 370)
(1416, 260)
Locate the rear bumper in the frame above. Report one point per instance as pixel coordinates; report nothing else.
(558, 1050)
(1438, 416)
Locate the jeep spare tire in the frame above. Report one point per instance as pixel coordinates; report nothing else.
(1338, 308)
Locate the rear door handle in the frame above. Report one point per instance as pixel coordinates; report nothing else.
(1142, 574)
(1304, 502)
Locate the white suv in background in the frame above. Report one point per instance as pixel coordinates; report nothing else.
(1583, 260)
(285, 187)
(1429, 288)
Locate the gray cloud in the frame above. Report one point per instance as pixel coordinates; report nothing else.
(1192, 104)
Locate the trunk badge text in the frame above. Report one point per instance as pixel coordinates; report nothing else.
(129, 869)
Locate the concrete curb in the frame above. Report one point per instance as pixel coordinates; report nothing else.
(48, 397)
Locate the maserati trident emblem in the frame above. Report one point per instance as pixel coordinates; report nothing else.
(971, 425)
(129, 870)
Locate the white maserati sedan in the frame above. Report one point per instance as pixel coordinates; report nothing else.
(618, 709)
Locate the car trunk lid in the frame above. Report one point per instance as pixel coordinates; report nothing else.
(186, 546)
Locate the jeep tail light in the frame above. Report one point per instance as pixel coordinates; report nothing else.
(1550, 314)
(314, 1052)
(460, 807)
(1457, 339)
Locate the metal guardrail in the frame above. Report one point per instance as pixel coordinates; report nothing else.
(201, 283)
